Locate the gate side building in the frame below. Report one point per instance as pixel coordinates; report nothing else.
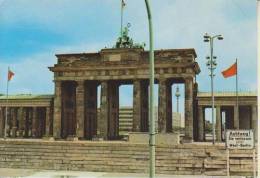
(228, 115)
(28, 116)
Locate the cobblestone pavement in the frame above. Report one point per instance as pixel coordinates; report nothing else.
(27, 173)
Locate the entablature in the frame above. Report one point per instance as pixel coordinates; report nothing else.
(113, 59)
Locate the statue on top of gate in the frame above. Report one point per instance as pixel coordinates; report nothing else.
(124, 41)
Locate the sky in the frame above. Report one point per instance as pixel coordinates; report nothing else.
(32, 32)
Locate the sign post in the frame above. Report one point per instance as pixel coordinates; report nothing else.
(240, 140)
(254, 163)
(228, 163)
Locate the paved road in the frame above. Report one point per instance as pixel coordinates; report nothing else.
(27, 173)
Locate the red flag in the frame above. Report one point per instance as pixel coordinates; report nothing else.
(231, 71)
(10, 75)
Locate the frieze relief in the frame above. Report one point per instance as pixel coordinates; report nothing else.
(179, 70)
(103, 73)
(189, 71)
(113, 72)
(134, 61)
(121, 72)
(68, 61)
(161, 71)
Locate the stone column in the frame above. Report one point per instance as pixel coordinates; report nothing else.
(145, 106)
(21, 124)
(47, 121)
(34, 122)
(140, 106)
(80, 109)
(18, 117)
(137, 106)
(218, 124)
(200, 123)
(30, 121)
(188, 109)
(57, 110)
(11, 116)
(9, 121)
(162, 107)
(90, 121)
(113, 102)
(254, 121)
(1, 123)
(169, 107)
(102, 124)
(236, 117)
(26, 118)
(14, 121)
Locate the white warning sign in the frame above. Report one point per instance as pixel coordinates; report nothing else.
(240, 139)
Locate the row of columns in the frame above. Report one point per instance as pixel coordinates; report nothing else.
(231, 124)
(25, 122)
(107, 126)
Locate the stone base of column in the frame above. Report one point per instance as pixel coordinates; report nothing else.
(187, 140)
(48, 137)
(97, 138)
(72, 138)
(34, 134)
(29, 133)
(13, 132)
(8, 132)
(20, 133)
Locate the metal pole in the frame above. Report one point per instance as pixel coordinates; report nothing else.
(258, 81)
(151, 104)
(212, 89)
(237, 110)
(121, 28)
(6, 108)
(254, 163)
(228, 162)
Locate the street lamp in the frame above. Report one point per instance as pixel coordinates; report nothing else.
(212, 64)
(151, 104)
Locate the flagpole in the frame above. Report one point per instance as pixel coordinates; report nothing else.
(6, 108)
(237, 110)
(121, 28)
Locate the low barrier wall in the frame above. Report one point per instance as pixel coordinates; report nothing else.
(183, 159)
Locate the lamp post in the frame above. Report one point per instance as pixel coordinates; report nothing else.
(151, 104)
(212, 64)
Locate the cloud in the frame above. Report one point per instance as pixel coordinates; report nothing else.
(94, 25)
(181, 24)
(32, 75)
(63, 16)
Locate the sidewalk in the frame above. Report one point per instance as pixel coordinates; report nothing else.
(27, 173)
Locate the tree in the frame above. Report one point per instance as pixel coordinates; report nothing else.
(208, 127)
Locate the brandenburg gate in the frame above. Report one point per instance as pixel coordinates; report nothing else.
(77, 77)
